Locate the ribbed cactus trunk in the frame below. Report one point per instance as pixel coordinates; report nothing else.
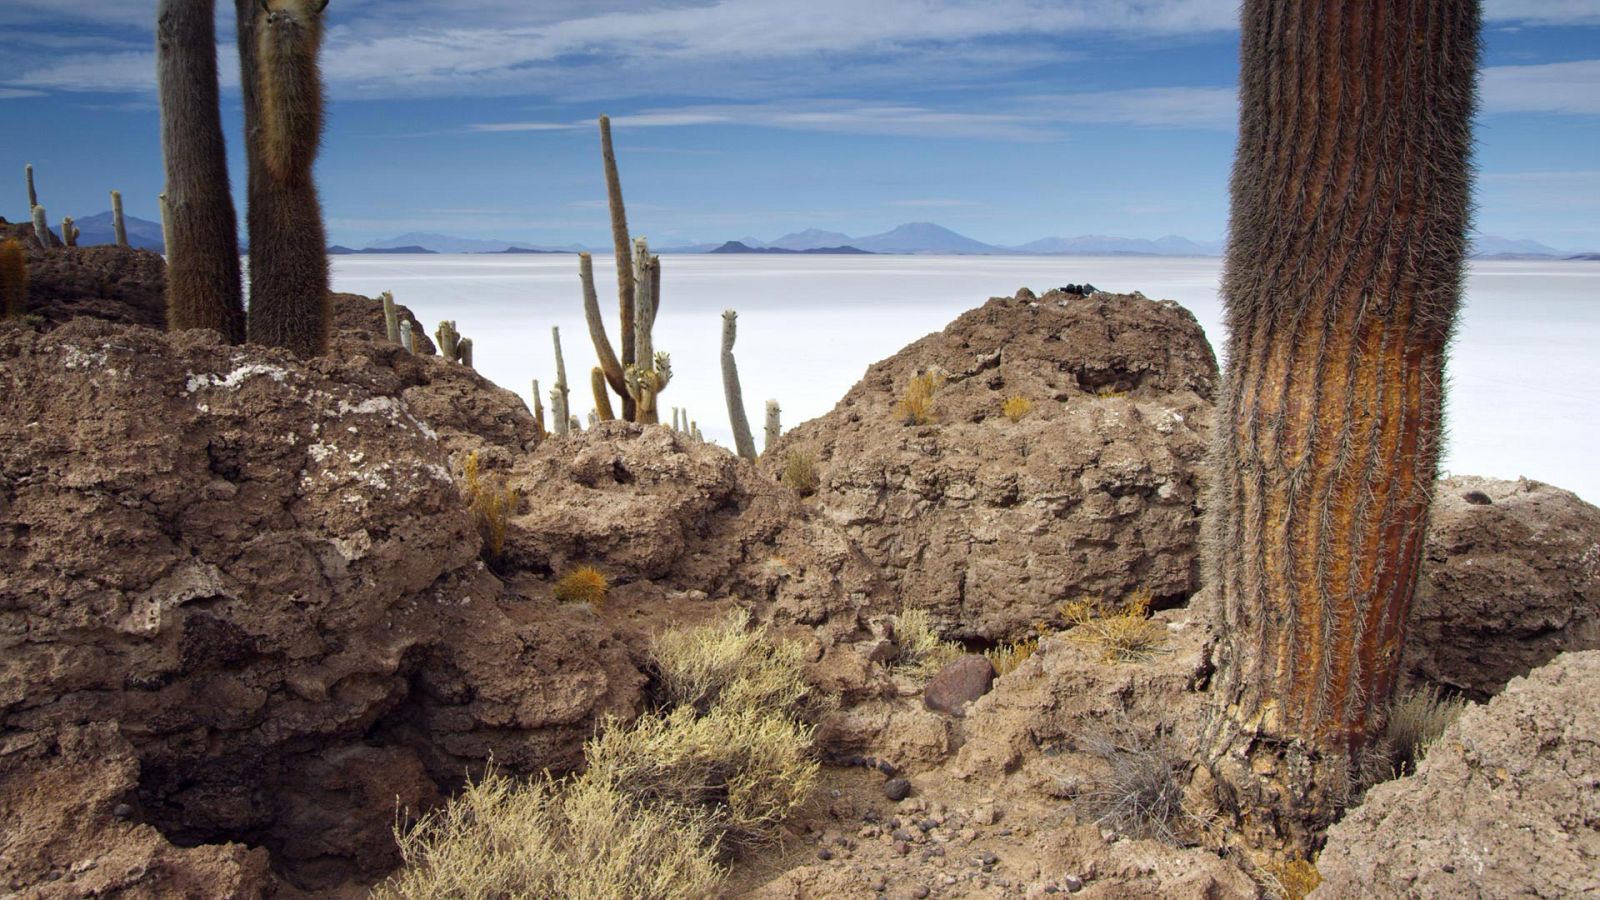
(204, 289)
(774, 426)
(743, 442)
(561, 394)
(119, 226)
(602, 398)
(1350, 206)
(623, 247)
(289, 300)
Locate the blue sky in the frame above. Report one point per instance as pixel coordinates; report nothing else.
(1007, 120)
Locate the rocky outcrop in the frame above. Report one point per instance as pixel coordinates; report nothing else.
(117, 284)
(989, 523)
(258, 574)
(1511, 578)
(1506, 803)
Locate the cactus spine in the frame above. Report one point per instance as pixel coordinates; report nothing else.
(281, 88)
(69, 231)
(560, 396)
(610, 366)
(203, 280)
(602, 399)
(774, 429)
(742, 441)
(621, 246)
(406, 340)
(1350, 204)
(391, 317)
(13, 279)
(120, 227)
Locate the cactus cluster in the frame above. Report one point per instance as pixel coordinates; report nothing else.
(449, 340)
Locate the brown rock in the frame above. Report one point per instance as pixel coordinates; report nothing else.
(991, 523)
(959, 683)
(117, 284)
(1506, 804)
(1506, 585)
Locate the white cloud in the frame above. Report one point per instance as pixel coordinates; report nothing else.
(18, 94)
(1571, 88)
(1543, 12)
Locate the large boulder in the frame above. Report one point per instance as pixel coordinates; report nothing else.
(1510, 579)
(258, 572)
(118, 284)
(1506, 803)
(989, 523)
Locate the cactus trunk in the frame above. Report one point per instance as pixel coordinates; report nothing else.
(774, 428)
(406, 340)
(41, 229)
(1350, 204)
(610, 366)
(391, 318)
(602, 399)
(742, 440)
(622, 247)
(119, 227)
(560, 395)
(33, 195)
(538, 413)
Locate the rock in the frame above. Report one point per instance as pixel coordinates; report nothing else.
(897, 789)
(116, 284)
(1506, 804)
(960, 682)
(1506, 586)
(990, 523)
(261, 573)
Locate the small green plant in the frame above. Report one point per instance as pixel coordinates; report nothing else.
(13, 279)
(1006, 657)
(800, 472)
(585, 584)
(922, 652)
(916, 406)
(1016, 408)
(1124, 635)
(492, 505)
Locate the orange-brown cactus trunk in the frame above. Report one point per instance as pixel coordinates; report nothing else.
(1350, 206)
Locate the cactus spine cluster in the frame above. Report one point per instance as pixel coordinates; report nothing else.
(774, 428)
(13, 279)
(281, 88)
(120, 227)
(743, 442)
(204, 289)
(1351, 197)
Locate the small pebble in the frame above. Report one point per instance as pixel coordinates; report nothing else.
(920, 892)
(1072, 883)
(824, 854)
(122, 811)
(901, 848)
(897, 789)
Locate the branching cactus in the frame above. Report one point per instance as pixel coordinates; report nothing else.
(774, 428)
(1351, 196)
(204, 287)
(391, 317)
(13, 279)
(449, 341)
(119, 226)
(743, 442)
(646, 380)
(69, 232)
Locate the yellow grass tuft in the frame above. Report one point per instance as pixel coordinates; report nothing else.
(492, 505)
(732, 664)
(800, 472)
(922, 652)
(1015, 408)
(1292, 879)
(1125, 635)
(1006, 657)
(916, 407)
(585, 584)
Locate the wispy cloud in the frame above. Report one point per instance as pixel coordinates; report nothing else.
(1571, 88)
(18, 94)
(1543, 12)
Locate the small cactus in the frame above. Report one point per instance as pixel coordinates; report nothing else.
(539, 431)
(585, 584)
(41, 229)
(391, 317)
(406, 340)
(774, 429)
(464, 351)
(449, 339)
(13, 279)
(558, 415)
(117, 224)
(69, 232)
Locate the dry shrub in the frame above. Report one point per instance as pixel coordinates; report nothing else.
(1015, 408)
(585, 584)
(13, 279)
(581, 839)
(732, 664)
(1141, 795)
(1292, 879)
(1414, 723)
(1125, 635)
(749, 767)
(1107, 391)
(921, 651)
(916, 406)
(492, 505)
(800, 472)
(1006, 657)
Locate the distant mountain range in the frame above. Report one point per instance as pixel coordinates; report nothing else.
(741, 247)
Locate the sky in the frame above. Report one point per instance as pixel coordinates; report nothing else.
(1006, 120)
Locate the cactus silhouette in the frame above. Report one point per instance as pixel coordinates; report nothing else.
(281, 88)
(203, 279)
(742, 441)
(1350, 199)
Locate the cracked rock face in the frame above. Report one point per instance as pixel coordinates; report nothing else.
(990, 523)
(259, 575)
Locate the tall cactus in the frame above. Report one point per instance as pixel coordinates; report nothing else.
(391, 317)
(622, 247)
(742, 441)
(560, 395)
(774, 427)
(13, 279)
(281, 89)
(1350, 206)
(203, 279)
(538, 413)
(119, 226)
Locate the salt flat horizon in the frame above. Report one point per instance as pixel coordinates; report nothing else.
(1524, 374)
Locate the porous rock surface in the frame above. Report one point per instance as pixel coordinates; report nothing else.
(990, 523)
(1506, 803)
(118, 284)
(259, 576)
(1510, 579)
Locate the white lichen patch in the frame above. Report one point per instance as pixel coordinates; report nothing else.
(232, 380)
(77, 359)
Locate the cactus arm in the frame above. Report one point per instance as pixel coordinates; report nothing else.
(620, 242)
(602, 399)
(610, 366)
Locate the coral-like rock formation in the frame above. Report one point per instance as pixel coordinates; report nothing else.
(989, 522)
(1506, 804)
(1511, 578)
